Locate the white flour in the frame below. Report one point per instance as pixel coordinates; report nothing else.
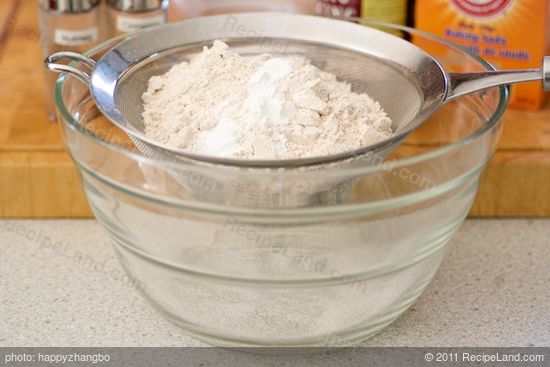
(259, 107)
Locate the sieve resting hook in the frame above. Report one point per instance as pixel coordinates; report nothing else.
(51, 63)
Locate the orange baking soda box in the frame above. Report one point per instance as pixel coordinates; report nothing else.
(510, 34)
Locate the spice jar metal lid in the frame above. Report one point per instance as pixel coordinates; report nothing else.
(68, 6)
(135, 6)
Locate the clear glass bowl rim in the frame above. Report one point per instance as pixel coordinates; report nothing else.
(356, 170)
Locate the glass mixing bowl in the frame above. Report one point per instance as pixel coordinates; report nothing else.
(329, 270)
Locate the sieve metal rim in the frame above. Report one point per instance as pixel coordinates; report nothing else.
(495, 117)
(114, 65)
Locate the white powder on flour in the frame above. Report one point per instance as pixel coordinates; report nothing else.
(258, 107)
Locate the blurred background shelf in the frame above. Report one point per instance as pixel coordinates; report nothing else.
(38, 178)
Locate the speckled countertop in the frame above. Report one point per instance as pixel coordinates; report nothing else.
(493, 289)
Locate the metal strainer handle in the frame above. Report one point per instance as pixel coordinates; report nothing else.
(459, 83)
(51, 62)
(464, 83)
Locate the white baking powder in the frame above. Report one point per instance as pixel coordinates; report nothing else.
(259, 107)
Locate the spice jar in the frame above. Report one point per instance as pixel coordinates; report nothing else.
(126, 16)
(391, 11)
(347, 8)
(67, 25)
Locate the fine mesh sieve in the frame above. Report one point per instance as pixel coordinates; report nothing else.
(409, 84)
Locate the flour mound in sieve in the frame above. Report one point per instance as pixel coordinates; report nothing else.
(259, 107)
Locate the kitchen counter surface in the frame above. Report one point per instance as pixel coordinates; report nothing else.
(61, 285)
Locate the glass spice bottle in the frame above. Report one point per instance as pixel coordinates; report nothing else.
(126, 16)
(391, 11)
(346, 8)
(67, 25)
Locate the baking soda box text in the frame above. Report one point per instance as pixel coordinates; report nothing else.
(510, 34)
